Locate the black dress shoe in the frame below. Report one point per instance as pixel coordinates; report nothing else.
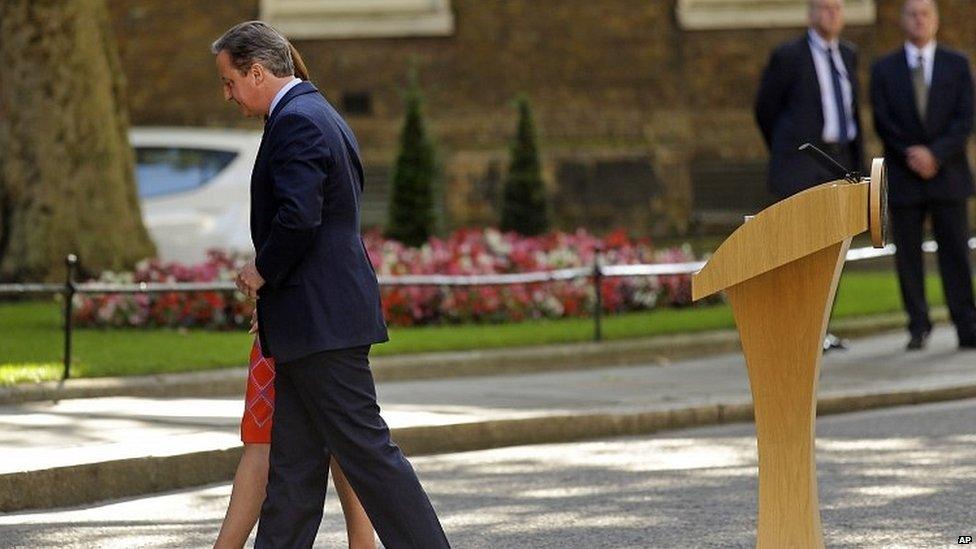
(967, 338)
(917, 342)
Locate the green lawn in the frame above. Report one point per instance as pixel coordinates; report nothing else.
(31, 342)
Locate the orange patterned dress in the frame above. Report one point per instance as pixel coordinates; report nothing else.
(259, 398)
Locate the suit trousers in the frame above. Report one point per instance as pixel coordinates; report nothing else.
(951, 230)
(326, 409)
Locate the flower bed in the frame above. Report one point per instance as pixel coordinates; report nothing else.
(176, 309)
(465, 252)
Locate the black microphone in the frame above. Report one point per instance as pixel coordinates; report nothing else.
(830, 164)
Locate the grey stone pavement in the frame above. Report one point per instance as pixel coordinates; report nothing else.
(897, 477)
(44, 435)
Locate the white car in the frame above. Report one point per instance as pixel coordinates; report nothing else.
(194, 189)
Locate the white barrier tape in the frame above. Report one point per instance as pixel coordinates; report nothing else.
(858, 254)
(658, 269)
(154, 287)
(31, 288)
(484, 280)
(653, 269)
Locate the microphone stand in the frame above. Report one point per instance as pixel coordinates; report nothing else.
(830, 164)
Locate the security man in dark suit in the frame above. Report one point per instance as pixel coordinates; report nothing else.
(809, 94)
(922, 96)
(318, 306)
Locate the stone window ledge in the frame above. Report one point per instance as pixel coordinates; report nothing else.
(760, 14)
(310, 19)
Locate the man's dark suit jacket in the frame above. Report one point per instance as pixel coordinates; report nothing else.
(320, 290)
(789, 112)
(947, 126)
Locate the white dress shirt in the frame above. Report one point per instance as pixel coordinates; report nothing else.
(831, 128)
(928, 57)
(281, 93)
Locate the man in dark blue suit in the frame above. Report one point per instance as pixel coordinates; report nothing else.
(318, 306)
(922, 96)
(809, 94)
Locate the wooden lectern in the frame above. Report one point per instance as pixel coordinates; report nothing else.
(780, 271)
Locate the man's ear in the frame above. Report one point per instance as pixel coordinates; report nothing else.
(256, 72)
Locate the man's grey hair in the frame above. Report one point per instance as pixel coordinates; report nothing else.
(256, 42)
(812, 4)
(935, 6)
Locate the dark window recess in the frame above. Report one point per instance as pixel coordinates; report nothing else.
(357, 103)
(605, 193)
(376, 196)
(633, 182)
(165, 170)
(726, 190)
(374, 205)
(488, 187)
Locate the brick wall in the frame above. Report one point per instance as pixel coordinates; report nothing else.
(635, 115)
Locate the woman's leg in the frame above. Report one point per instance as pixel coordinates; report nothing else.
(251, 479)
(358, 527)
(246, 497)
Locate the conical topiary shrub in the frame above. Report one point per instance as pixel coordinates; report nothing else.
(411, 215)
(524, 204)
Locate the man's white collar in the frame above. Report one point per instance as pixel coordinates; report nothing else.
(820, 42)
(926, 51)
(281, 93)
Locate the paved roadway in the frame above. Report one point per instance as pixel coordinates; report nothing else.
(901, 477)
(40, 435)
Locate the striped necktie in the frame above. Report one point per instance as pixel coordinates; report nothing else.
(845, 133)
(920, 87)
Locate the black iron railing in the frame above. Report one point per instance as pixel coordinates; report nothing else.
(597, 272)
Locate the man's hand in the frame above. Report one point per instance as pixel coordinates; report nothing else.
(922, 161)
(249, 280)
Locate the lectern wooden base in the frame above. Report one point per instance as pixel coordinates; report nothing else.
(780, 271)
(782, 318)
